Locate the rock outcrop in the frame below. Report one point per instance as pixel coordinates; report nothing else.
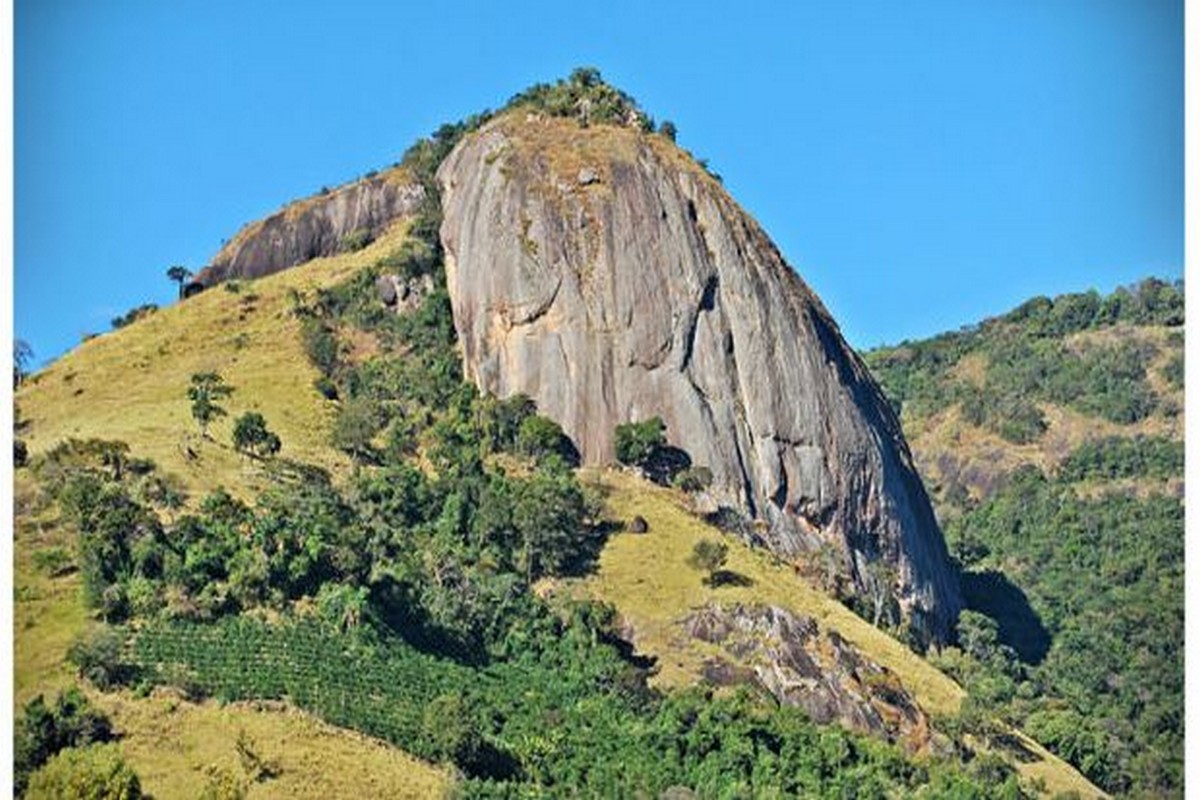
(317, 226)
(606, 275)
(800, 665)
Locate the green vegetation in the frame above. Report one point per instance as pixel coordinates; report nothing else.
(585, 97)
(179, 275)
(709, 555)
(22, 357)
(42, 731)
(1118, 457)
(90, 773)
(207, 389)
(133, 315)
(636, 443)
(252, 436)
(1031, 360)
(1088, 653)
(1072, 558)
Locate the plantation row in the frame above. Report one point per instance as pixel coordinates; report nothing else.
(379, 691)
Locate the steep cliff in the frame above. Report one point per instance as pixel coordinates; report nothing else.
(317, 226)
(603, 273)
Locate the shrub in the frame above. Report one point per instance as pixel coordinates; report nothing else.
(53, 561)
(668, 129)
(355, 426)
(97, 655)
(252, 436)
(538, 436)
(414, 258)
(90, 773)
(709, 556)
(133, 315)
(356, 240)
(43, 730)
(694, 479)
(637, 442)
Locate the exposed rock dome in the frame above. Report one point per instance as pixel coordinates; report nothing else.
(645, 290)
(316, 226)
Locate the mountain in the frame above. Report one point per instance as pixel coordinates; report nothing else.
(282, 510)
(1052, 440)
(608, 277)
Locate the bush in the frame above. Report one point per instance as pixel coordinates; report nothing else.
(637, 442)
(133, 315)
(98, 655)
(90, 773)
(356, 425)
(42, 731)
(538, 437)
(709, 556)
(356, 240)
(251, 435)
(694, 479)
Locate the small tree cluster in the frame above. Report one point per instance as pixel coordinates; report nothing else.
(636, 443)
(252, 436)
(43, 730)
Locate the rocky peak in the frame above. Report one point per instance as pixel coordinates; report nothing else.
(602, 272)
(317, 226)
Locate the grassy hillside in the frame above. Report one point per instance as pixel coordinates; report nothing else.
(647, 579)
(444, 511)
(130, 385)
(1052, 441)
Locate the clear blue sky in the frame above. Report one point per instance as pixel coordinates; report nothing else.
(921, 164)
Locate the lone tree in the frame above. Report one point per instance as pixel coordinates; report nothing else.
(179, 274)
(22, 355)
(709, 555)
(252, 436)
(636, 443)
(206, 390)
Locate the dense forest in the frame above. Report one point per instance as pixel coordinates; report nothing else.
(1072, 568)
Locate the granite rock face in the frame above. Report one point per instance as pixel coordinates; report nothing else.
(789, 656)
(645, 290)
(314, 227)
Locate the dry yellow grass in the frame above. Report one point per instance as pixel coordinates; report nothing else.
(131, 384)
(178, 747)
(646, 577)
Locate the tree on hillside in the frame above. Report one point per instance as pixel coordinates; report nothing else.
(709, 556)
(206, 390)
(252, 436)
(22, 355)
(179, 274)
(637, 442)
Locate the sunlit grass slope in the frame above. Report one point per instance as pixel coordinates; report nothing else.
(646, 577)
(131, 384)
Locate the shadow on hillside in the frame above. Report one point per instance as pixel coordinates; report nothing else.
(727, 577)
(583, 561)
(992, 593)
